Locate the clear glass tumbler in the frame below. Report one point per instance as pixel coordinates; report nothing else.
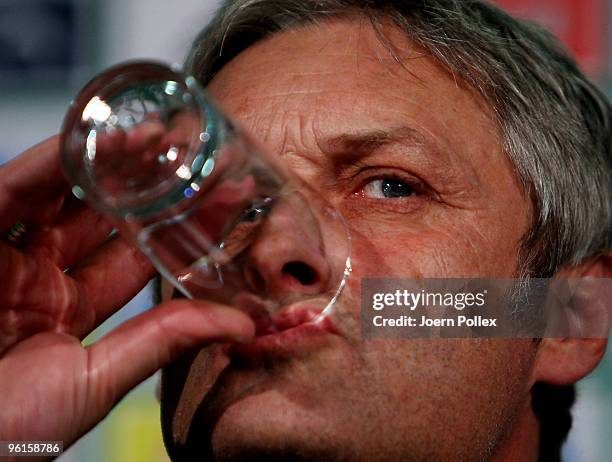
(143, 144)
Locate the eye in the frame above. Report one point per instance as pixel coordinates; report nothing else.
(243, 232)
(257, 210)
(388, 188)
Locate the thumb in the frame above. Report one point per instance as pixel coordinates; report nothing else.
(150, 341)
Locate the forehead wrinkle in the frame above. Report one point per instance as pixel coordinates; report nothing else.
(296, 133)
(327, 99)
(327, 94)
(302, 136)
(268, 65)
(370, 48)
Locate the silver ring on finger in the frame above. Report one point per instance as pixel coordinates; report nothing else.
(17, 235)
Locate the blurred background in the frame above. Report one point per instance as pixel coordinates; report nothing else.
(50, 48)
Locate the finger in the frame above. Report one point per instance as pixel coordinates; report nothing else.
(110, 141)
(35, 297)
(32, 186)
(39, 296)
(141, 137)
(182, 129)
(125, 160)
(152, 340)
(137, 139)
(31, 283)
(76, 233)
(107, 280)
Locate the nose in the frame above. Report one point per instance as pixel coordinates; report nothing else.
(289, 258)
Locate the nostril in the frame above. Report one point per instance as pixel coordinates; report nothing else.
(300, 271)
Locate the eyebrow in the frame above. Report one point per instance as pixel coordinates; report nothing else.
(350, 147)
(438, 165)
(362, 143)
(365, 141)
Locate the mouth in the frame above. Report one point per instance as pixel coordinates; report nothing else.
(295, 330)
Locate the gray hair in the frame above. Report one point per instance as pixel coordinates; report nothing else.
(554, 124)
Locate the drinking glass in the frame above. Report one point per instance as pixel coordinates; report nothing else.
(214, 211)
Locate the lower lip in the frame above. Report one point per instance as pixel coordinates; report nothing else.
(289, 342)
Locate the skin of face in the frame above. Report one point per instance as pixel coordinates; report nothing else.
(331, 101)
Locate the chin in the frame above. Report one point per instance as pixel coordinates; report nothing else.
(271, 426)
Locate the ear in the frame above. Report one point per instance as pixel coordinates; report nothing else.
(563, 361)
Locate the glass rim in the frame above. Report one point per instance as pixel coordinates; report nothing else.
(119, 78)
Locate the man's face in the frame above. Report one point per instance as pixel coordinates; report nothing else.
(412, 159)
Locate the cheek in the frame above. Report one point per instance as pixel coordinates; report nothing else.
(435, 240)
(453, 367)
(428, 391)
(448, 251)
